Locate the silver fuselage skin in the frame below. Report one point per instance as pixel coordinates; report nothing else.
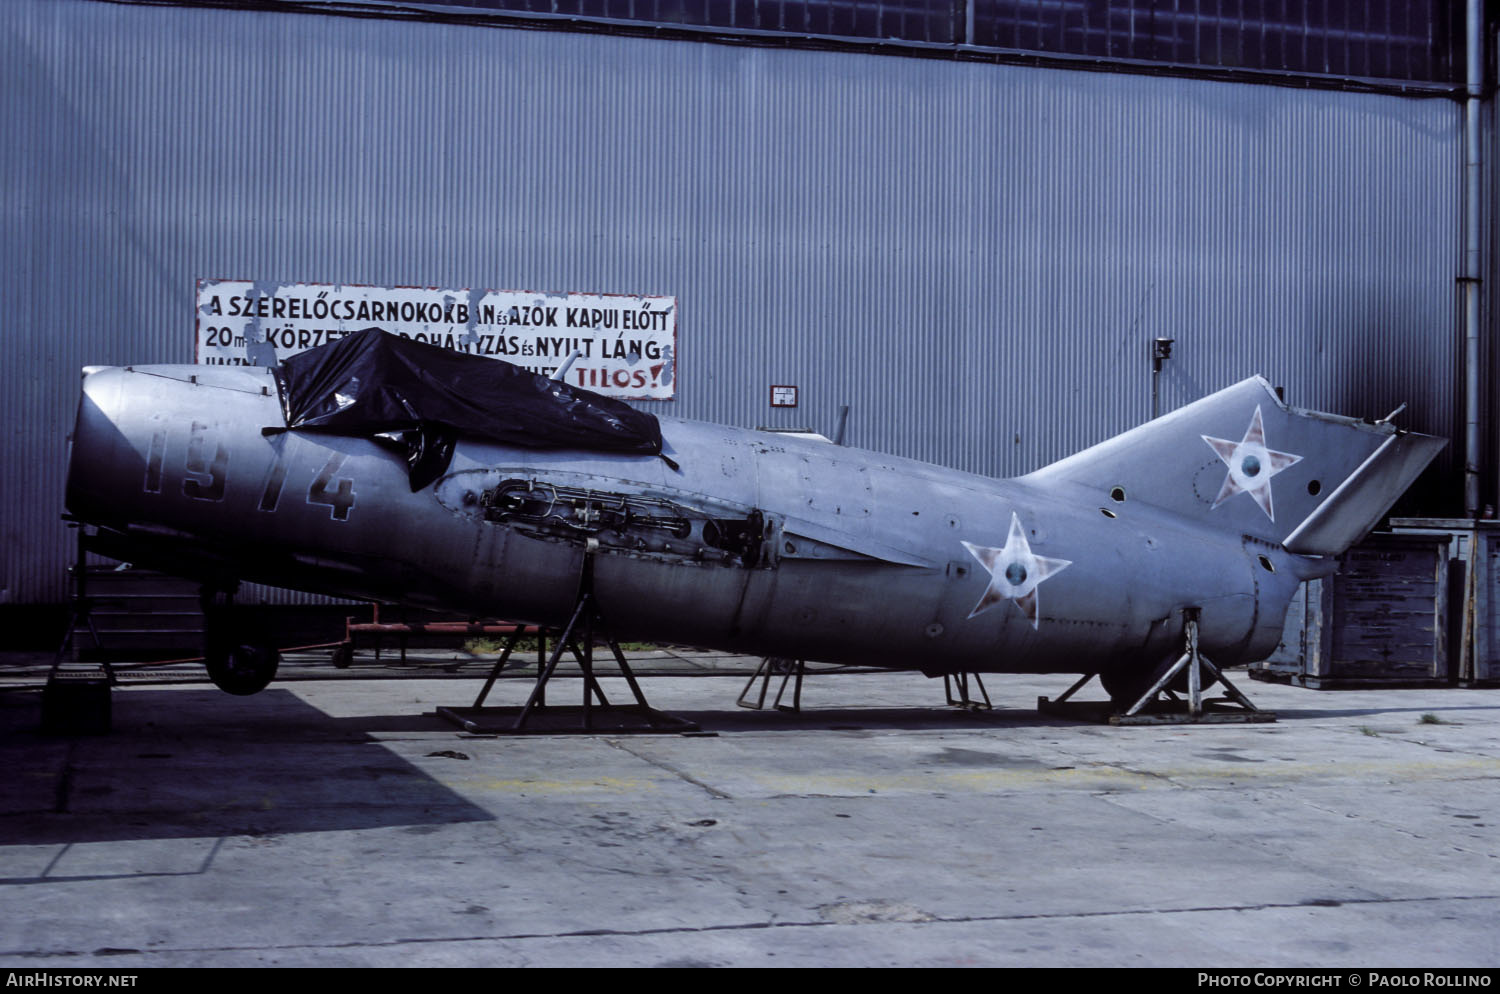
(860, 557)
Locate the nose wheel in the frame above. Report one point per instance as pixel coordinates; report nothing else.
(239, 662)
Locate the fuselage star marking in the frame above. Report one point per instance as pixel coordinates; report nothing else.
(1015, 571)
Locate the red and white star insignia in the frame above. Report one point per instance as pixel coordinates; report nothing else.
(1251, 465)
(1015, 571)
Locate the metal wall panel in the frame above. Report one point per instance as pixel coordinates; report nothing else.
(973, 257)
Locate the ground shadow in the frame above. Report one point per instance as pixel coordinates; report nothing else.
(200, 763)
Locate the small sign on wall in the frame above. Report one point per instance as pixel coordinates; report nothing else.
(783, 396)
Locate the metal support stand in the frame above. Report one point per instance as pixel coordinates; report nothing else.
(769, 666)
(1150, 709)
(963, 700)
(582, 626)
(80, 614)
(78, 702)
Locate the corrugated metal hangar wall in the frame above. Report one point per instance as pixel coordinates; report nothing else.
(973, 257)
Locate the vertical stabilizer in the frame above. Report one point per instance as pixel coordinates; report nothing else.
(1243, 461)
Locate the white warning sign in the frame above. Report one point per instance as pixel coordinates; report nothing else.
(627, 346)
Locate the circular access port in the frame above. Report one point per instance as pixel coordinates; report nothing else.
(1315, 487)
(1266, 564)
(1117, 495)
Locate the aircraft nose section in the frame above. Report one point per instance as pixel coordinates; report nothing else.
(102, 458)
(139, 440)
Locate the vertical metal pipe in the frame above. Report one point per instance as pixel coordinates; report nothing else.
(1470, 279)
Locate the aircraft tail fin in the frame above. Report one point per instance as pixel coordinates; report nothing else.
(1240, 459)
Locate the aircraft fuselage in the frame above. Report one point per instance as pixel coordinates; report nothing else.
(756, 542)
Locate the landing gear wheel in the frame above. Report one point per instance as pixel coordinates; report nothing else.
(780, 664)
(238, 663)
(1126, 684)
(343, 656)
(242, 668)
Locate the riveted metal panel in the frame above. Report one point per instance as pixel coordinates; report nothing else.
(974, 258)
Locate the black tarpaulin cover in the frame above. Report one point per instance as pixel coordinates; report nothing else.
(422, 398)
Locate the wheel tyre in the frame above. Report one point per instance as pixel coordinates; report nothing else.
(781, 664)
(343, 657)
(242, 668)
(1126, 684)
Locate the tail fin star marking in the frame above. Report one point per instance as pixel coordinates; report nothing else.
(1015, 571)
(1251, 465)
